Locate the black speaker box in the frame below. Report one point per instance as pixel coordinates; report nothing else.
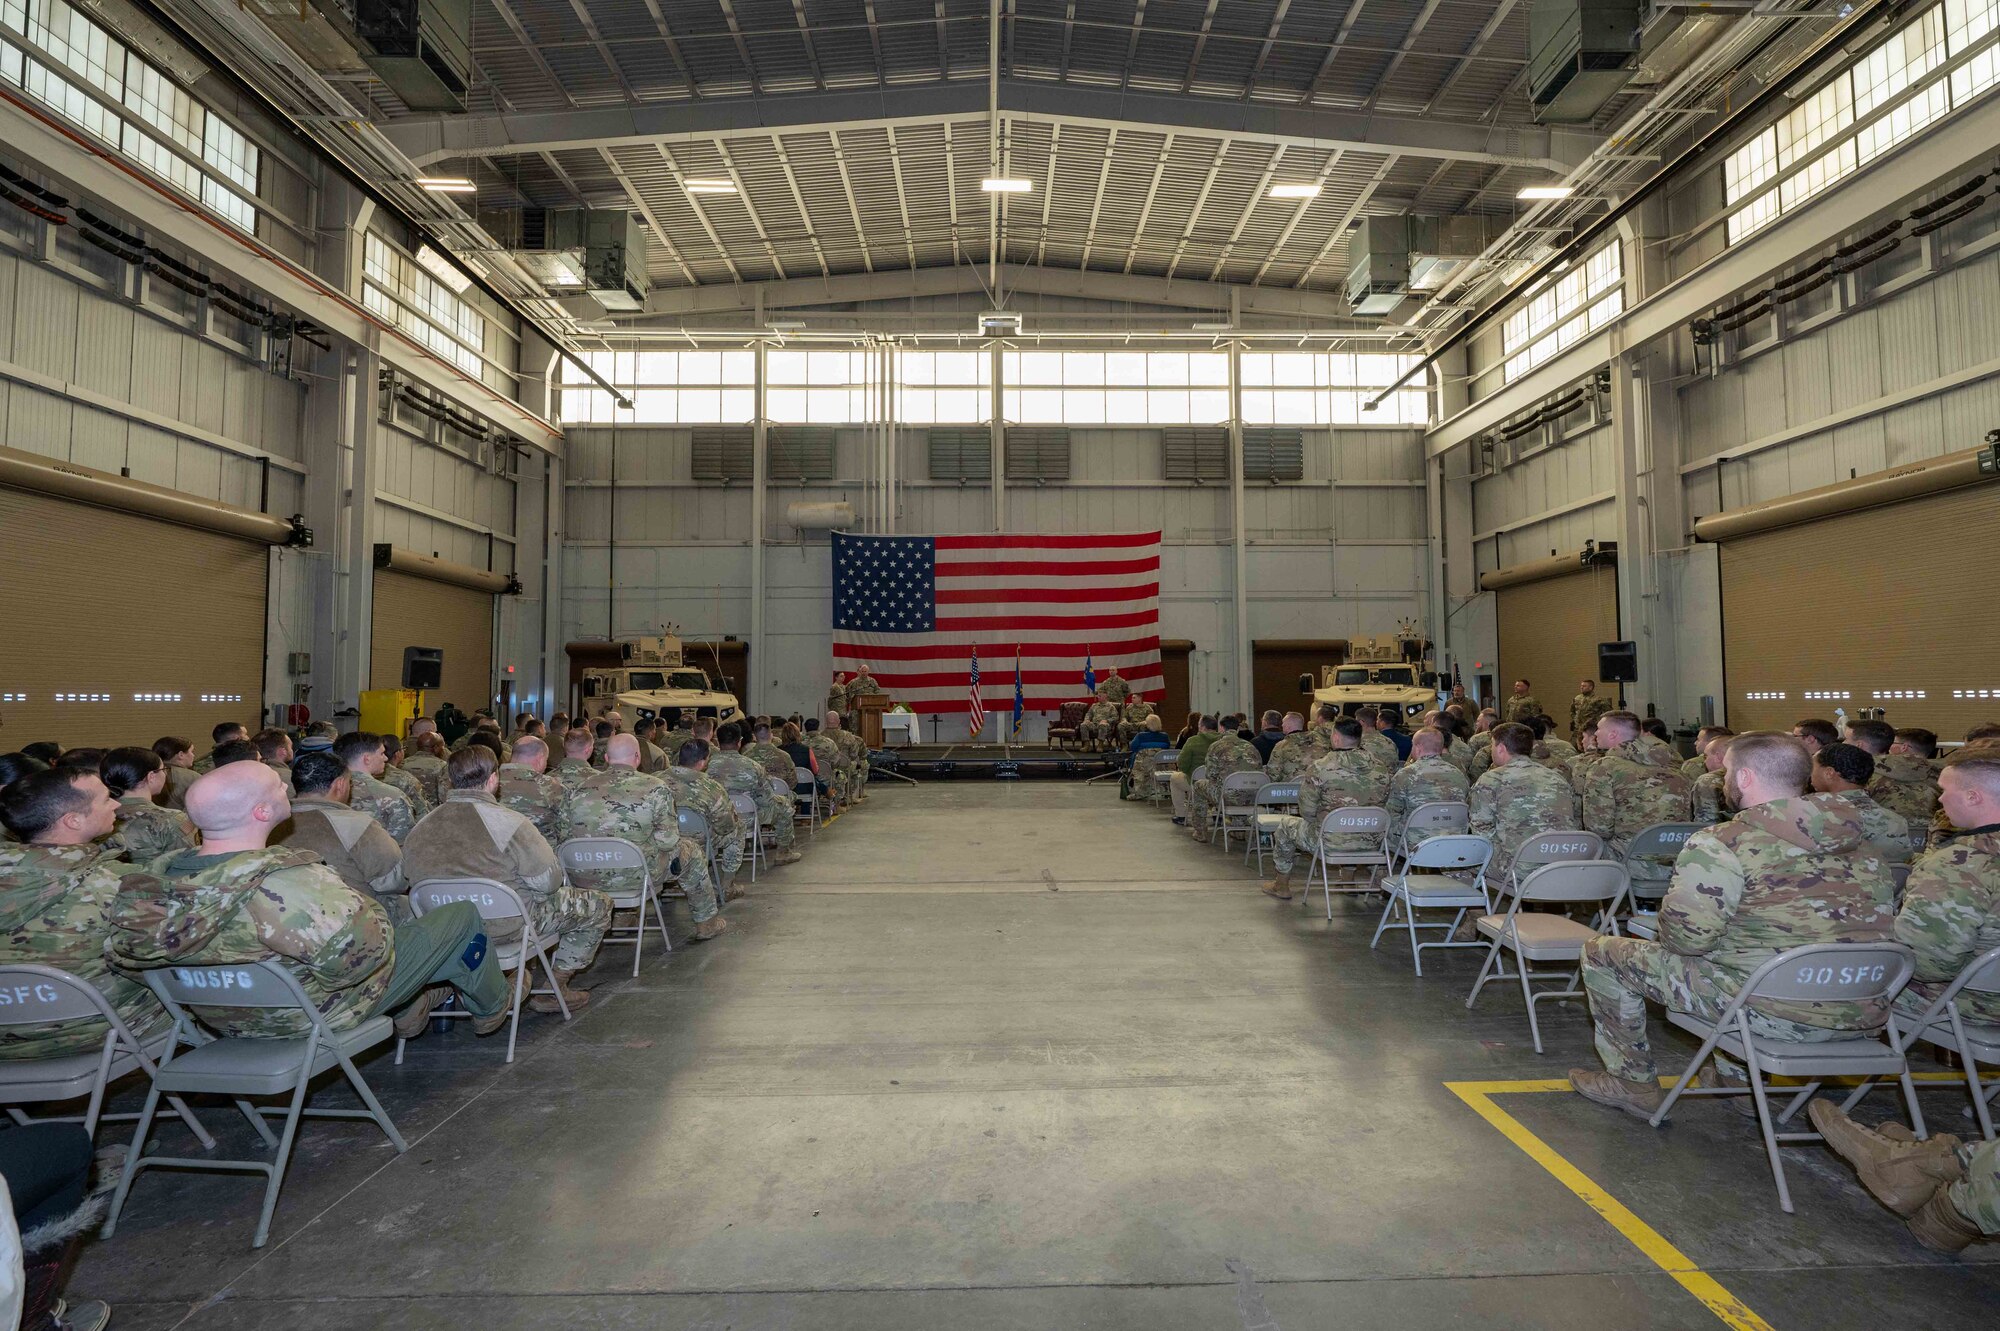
(423, 667)
(1618, 662)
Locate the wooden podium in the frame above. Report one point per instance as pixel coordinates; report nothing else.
(869, 708)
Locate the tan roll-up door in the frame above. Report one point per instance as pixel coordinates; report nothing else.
(422, 612)
(120, 629)
(1549, 631)
(1890, 607)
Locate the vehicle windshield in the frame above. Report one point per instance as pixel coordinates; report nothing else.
(689, 679)
(648, 679)
(1352, 676)
(1395, 675)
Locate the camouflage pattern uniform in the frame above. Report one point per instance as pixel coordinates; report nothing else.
(1554, 753)
(1951, 914)
(1292, 758)
(1624, 793)
(1655, 753)
(1777, 876)
(1482, 760)
(652, 759)
(1100, 724)
(1425, 781)
(1577, 769)
(738, 774)
(535, 796)
(1886, 831)
(178, 781)
(705, 795)
(1977, 1195)
(858, 688)
(854, 750)
(573, 772)
(832, 766)
(1694, 767)
(1226, 757)
(1710, 800)
(635, 807)
(1132, 720)
(1114, 689)
(1140, 782)
(1905, 784)
(836, 698)
(145, 831)
(430, 774)
(671, 745)
(1585, 708)
(1381, 748)
(1521, 708)
(353, 845)
(384, 803)
(54, 905)
(1511, 804)
(774, 760)
(409, 788)
(1345, 779)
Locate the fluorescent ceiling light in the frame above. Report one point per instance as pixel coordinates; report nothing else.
(1308, 190)
(1545, 192)
(1213, 327)
(697, 185)
(443, 269)
(1006, 185)
(447, 184)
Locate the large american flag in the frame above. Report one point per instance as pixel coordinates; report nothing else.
(915, 608)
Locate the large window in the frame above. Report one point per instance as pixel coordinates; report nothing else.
(87, 76)
(1585, 298)
(1896, 87)
(944, 387)
(1115, 387)
(397, 288)
(822, 387)
(1329, 388)
(666, 388)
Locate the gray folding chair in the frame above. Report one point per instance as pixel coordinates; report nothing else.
(802, 776)
(1942, 1024)
(1436, 889)
(783, 794)
(1537, 936)
(1358, 820)
(1195, 778)
(1556, 847)
(1279, 797)
(1659, 844)
(1164, 768)
(500, 903)
(586, 859)
(1236, 810)
(1436, 818)
(42, 995)
(242, 1067)
(694, 826)
(1817, 972)
(746, 814)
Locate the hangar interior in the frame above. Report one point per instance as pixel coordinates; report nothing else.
(525, 325)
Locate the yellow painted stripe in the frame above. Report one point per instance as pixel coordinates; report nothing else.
(1478, 1094)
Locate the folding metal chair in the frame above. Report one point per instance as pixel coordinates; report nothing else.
(1659, 844)
(495, 901)
(1264, 827)
(1556, 847)
(1436, 890)
(243, 1066)
(1943, 1025)
(586, 858)
(1357, 820)
(1537, 936)
(33, 995)
(1237, 807)
(695, 828)
(802, 776)
(1164, 768)
(1817, 972)
(1436, 818)
(746, 815)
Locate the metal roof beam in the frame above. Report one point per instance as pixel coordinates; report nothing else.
(434, 139)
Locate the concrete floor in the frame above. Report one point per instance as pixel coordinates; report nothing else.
(1014, 1055)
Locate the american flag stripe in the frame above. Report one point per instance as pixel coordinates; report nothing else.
(915, 609)
(975, 708)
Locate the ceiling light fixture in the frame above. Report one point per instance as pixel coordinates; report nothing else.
(1545, 192)
(698, 185)
(447, 184)
(443, 269)
(1307, 190)
(1006, 185)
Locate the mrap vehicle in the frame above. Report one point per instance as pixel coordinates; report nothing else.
(653, 679)
(1382, 671)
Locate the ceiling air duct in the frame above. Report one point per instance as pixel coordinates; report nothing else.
(422, 49)
(599, 252)
(1580, 55)
(1391, 257)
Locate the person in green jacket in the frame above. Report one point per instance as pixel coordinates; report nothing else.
(1193, 754)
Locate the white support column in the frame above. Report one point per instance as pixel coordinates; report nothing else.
(1634, 545)
(998, 429)
(554, 693)
(760, 484)
(1241, 578)
(358, 474)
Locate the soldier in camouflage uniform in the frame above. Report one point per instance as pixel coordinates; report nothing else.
(670, 741)
(1951, 904)
(425, 762)
(1428, 779)
(693, 788)
(860, 687)
(1842, 771)
(1373, 742)
(238, 901)
(1132, 718)
(825, 750)
(1520, 704)
(764, 750)
(739, 774)
(1291, 758)
(855, 751)
(1625, 792)
(652, 758)
(146, 830)
(1587, 753)
(529, 791)
(56, 892)
(1347, 778)
(1114, 689)
(1791, 869)
(226, 733)
(1903, 782)
(1710, 801)
(623, 802)
(1693, 768)
(1100, 725)
(836, 698)
(1229, 755)
(1948, 1190)
(393, 774)
(575, 768)
(350, 843)
(1516, 799)
(1584, 709)
(365, 759)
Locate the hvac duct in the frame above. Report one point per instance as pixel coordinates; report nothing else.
(1555, 566)
(395, 559)
(86, 485)
(820, 517)
(1871, 491)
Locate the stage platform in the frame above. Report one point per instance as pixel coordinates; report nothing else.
(1004, 762)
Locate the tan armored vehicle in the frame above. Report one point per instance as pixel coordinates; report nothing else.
(1388, 670)
(654, 679)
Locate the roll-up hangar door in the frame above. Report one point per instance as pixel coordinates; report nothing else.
(424, 602)
(1552, 613)
(1870, 593)
(1277, 663)
(132, 611)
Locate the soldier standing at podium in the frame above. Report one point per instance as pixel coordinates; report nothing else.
(859, 687)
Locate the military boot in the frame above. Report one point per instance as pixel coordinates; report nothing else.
(1939, 1225)
(1901, 1175)
(1712, 1077)
(409, 1023)
(779, 858)
(577, 999)
(1640, 1099)
(1280, 886)
(710, 928)
(730, 890)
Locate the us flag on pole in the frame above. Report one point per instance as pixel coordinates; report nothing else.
(914, 609)
(975, 716)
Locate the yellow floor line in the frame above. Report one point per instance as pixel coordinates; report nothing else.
(1478, 1094)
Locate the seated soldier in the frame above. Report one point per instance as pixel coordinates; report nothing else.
(350, 842)
(1695, 766)
(1903, 782)
(234, 751)
(1550, 751)
(1844, 771)
(853, 750)
(741, 775)
(601, 731)
(178, 755)
(1100, 725)
(1792, 868)
(1194, 754)
(527, 790)
(1428, 779)
(829, 763)
(274, 748)
(623, 802)
(1346, 778)
(223, 734)
(472, 835)
(1516, 799)
(575, 768)
(652, 759)
(425, 762)
(146, 830)
(1633, 786)
(1815, 731)
(776, 761)
(1373, 742)
(238, 900)
(1946, 1189)
(393, 774)
(1132, 717)
(365, 757)
(1230, 754)
(1143, 759)
(1290, 759)
(1951, 903)
(694, 789)
(56, 890)
(1710, 803)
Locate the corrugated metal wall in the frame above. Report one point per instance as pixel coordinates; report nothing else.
(1518, 512)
